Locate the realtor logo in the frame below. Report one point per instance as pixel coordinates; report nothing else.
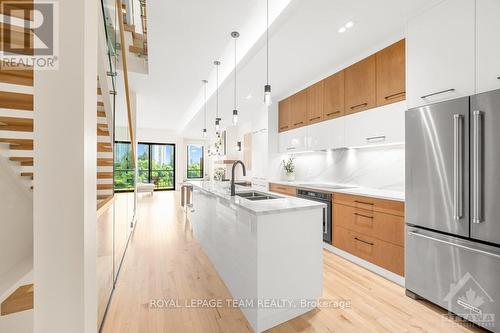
(468, 299)
(29, 35)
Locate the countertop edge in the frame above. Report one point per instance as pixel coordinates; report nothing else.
(361, 191)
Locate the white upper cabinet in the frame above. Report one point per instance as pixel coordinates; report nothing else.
(293, 141)
(440, 53)
(382, 125)
(326, 135)
(487, 45)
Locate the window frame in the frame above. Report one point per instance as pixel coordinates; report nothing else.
(202, 164)
(149, 171)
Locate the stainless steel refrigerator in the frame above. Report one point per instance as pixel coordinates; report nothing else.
(453, 206)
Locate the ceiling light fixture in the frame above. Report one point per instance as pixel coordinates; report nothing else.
(205, 109)
(235, 35)
(267, 87)
(346, 26)
(217, 118)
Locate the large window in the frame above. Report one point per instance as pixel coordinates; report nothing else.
(124, 170)
(194, 161)
(156, 164)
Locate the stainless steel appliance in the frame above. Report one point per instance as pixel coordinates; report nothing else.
(325, 198)
(452, 206)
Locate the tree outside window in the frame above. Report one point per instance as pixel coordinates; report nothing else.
(194, 161)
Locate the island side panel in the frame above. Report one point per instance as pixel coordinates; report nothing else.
(290, 262)
(228, 236)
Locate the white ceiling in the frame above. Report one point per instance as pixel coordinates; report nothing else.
(186, 36)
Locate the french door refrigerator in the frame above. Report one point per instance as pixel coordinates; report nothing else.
(453, 206)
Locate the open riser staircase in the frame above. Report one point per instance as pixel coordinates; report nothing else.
(104, 153)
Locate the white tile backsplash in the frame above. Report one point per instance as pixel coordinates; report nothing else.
(377, 167)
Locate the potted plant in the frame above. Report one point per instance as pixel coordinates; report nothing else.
(289, 168)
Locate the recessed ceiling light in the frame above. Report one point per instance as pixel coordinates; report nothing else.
(249, 96)
(342, 30)
(349, 24)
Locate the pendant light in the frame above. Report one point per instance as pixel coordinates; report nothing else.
(217, 119)
(267, 87)
(205, 109)
(235, 35)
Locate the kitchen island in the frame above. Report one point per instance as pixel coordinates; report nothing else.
(268, 252)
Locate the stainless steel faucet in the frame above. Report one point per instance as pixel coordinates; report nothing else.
(233, 186)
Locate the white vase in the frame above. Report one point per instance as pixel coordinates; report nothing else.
(290, 176)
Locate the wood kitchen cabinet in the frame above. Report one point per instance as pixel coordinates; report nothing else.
(315, 102)
(283, 189)
(360, 86)
(284, 115)
(299, 109)
(369, 228)
(333, 96)
(390, 65)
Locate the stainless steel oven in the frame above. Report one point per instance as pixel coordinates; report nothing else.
(325, 198)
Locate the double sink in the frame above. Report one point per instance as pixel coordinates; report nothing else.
(256, 196)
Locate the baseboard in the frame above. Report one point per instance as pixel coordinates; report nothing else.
(365, 264)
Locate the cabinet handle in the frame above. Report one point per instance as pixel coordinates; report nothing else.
(298, 123)
(437, 93)
(331, 113)
(357, 106)
(291, 148)
(363, 203)
(368, 217)
(395, 95)
(376, 138)
(315, 118)
(362, 241)
(498, 77)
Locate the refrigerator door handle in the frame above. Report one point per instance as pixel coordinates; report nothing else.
(477, 159)
(458, 164)
(473, 249)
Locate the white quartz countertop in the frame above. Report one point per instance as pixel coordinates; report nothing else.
(354, 190)
(261, 207)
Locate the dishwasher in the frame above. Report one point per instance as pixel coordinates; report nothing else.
(325, 198)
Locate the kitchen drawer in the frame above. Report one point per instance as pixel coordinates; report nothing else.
(386, 227)
(283, 189)
(370, 204)
(378, 252)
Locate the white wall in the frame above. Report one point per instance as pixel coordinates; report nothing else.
(380, 168)
(16, 223)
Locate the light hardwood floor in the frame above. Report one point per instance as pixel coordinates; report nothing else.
(165, 262)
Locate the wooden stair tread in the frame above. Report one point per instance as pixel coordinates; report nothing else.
(129, 27)
(13, 100)
(21, 76)
(16, 124)
(100, 104)
(104, 162)
(20, 300)
(101, 132)
(18, 144)
(27, 174)
(19, 39)
(136, 49)
(99, 91)
(21, 159)
(104, 186)
(101, 114)
(104, 175)
(26, 14)
(104, 147)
